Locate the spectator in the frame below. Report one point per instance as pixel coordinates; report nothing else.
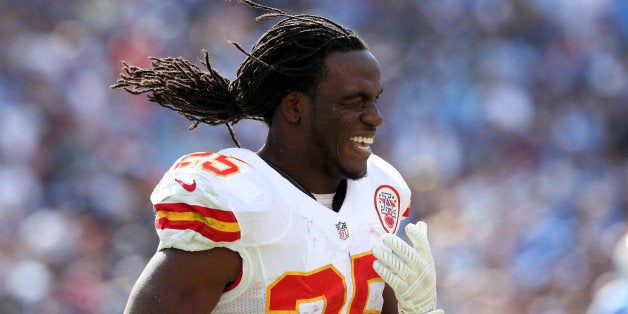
(507, 117)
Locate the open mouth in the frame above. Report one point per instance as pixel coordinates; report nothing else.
(362, 143)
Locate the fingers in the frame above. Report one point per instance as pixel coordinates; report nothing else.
(394, 265)
(408, 270)
(402, 249)
(414, 234)
(387, 275)
(422, 226)
(418, 236)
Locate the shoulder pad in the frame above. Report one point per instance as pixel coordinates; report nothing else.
(379, 167)
(211, 198)
(383, 174)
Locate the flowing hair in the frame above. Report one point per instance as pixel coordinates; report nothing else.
(288, 57)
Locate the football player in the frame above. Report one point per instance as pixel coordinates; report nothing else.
(305, 224)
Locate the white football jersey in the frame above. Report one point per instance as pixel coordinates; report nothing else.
(297, 255)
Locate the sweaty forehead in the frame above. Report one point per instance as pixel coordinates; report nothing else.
(355, 71)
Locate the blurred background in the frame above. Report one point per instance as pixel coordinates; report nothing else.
(508, 118)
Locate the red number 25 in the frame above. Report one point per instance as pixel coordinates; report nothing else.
(217, 164)
(325, 285)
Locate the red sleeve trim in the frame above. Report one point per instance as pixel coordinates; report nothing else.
(214, 224)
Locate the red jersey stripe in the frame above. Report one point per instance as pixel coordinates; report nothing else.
(234, 284)
(406, 212)
(217, 214)
(198, 226)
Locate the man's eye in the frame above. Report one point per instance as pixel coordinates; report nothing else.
(360, 102)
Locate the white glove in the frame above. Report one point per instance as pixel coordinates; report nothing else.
(410, 273)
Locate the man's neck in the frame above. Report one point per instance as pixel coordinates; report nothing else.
(311, 178)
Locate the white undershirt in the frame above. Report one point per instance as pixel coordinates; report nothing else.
(325, 199)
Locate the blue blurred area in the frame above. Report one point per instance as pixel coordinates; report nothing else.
(509, 120)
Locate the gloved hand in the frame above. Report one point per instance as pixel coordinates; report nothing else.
(410, 273)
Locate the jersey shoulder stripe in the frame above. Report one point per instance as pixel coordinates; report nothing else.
(214, 224)
(218, 199)
(406, 212)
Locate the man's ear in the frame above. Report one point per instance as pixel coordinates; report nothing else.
(293, 106)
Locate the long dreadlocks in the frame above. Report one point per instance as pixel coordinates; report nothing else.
(288, 57)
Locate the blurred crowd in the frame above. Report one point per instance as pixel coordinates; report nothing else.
(508, 118)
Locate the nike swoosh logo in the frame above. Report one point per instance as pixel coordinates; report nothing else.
(190, 187)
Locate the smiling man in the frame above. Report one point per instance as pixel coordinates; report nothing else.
(305, 224)
(328, 131)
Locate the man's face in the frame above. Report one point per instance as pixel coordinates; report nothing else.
(343, 113)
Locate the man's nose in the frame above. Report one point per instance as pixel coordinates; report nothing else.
(371, 116)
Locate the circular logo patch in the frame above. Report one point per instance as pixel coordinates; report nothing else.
(387, 205)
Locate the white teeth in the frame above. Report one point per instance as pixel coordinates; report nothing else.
(361, 139)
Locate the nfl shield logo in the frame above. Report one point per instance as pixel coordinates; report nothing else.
(343, 232)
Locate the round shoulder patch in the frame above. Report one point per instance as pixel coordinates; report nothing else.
(387, 203)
